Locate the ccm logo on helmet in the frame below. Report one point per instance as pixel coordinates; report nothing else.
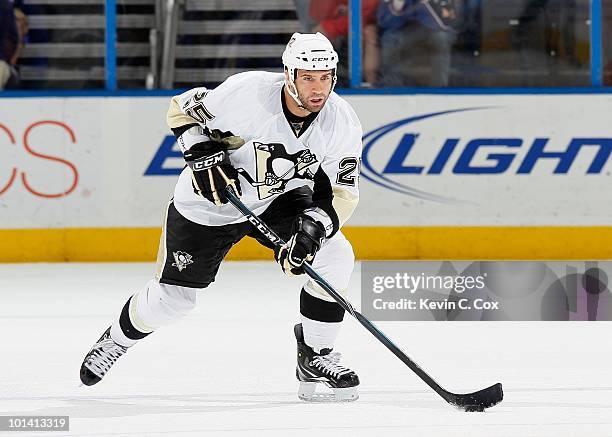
(320, 59)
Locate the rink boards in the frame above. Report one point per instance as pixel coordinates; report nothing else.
(443, 177)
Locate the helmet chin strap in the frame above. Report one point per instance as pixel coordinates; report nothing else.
(293, 92)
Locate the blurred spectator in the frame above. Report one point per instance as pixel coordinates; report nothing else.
(13, 28)
(333, 22)
(9, 39)
(22, 28)
(411, 29)
(471, 26)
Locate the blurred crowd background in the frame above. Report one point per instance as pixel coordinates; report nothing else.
(62, 44)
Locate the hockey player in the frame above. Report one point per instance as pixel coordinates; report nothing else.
(290, 147)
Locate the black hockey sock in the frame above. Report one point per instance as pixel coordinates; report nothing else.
(319, 309)
(127, 326)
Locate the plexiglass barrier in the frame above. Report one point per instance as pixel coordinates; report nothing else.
(152, 44)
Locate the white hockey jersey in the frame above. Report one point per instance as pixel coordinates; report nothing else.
(270, 159)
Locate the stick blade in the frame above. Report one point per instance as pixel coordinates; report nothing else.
(478, 401)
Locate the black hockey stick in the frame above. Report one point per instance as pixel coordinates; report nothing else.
(476, 401)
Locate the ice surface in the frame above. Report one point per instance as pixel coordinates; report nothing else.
(228, 367)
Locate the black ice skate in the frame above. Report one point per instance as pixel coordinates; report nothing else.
(100, 359)
(323, 369)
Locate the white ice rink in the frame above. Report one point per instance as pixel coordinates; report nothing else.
(228, 368)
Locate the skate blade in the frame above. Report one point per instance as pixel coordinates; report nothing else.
(307, 393)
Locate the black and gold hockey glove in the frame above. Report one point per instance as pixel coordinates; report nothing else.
(212, 171)
(308, 235)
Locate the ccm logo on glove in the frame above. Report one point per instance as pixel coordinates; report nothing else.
(212, 170)
(209, 161)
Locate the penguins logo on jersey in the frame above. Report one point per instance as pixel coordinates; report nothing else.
(275, 167)
(183, 259)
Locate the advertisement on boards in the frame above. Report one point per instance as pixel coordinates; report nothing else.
(428, 160)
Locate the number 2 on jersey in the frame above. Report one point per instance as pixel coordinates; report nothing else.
(347, 167)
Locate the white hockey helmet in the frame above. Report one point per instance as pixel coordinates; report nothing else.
(308, 51)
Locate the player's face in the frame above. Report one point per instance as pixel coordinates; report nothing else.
(314, 88)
